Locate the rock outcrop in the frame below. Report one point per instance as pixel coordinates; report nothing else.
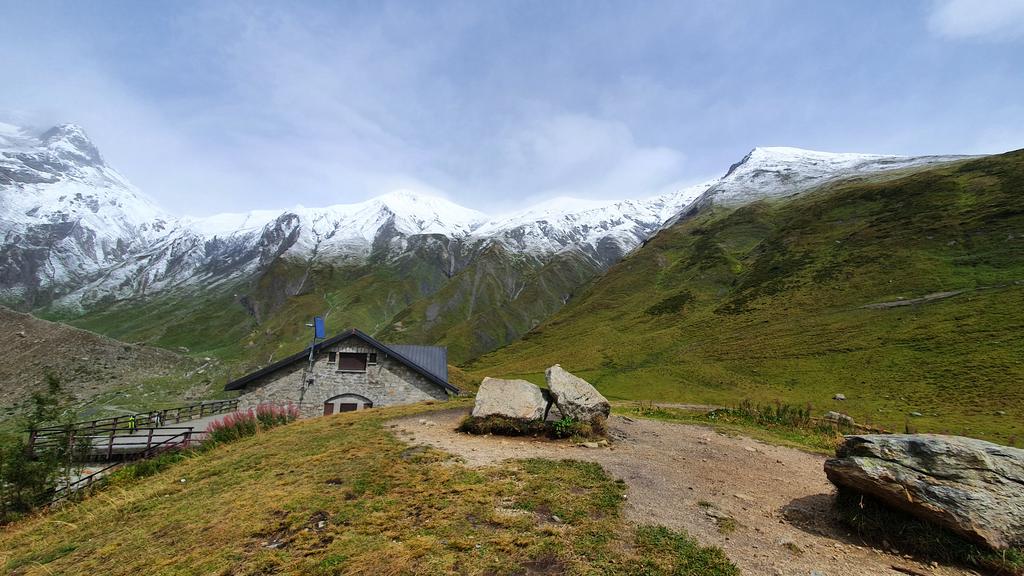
(972, 487)
(838, 418)
(509, 398)
(574, 396)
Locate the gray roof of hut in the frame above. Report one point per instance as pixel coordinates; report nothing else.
(433, 359)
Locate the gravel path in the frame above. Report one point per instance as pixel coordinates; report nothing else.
(690, 477)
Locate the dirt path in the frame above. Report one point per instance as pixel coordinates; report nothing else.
(682, 476)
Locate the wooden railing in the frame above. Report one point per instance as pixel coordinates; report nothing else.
(83, 485)
(118, 425)
(92, 447)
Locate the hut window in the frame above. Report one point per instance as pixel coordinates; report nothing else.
(350, 362)
(371, 358)
(332, 357)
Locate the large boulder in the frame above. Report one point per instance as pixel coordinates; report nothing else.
(574, 396)
(509, 398)
(972, 487)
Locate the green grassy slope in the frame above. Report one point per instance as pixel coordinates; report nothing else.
(341, 495)
(210, 322)
(766, 302)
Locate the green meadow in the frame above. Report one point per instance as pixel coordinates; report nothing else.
(767, 302)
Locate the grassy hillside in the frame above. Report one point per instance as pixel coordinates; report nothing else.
(341, 495)
(99, 374)
(767, 302)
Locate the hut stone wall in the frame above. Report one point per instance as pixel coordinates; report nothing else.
(386, 383)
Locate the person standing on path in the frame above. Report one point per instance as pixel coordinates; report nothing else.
(131, 424)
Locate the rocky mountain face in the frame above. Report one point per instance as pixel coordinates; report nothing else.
(65, 216)
(80, 243)
(98, 373)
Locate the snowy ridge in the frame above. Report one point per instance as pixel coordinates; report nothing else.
(780, 171)
(75, 232)
(413, 213)
(605, 230)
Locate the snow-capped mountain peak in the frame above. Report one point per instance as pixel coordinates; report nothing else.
(792, 159)
(771, 172)
(70, 142)
(420, 213)
(64, 214)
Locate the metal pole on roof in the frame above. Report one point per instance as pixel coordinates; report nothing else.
(318, 334)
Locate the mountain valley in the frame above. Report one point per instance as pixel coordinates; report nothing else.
(753, 285)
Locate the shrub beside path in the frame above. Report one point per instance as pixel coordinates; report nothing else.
(768, 507)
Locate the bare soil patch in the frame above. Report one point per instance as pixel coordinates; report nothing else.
(768, 507)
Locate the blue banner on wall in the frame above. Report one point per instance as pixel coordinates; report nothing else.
(318, 327)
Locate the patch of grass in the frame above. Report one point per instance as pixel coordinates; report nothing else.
(671, 305)
(148, 467)
(503, 426)
(775, 423)
(564, 428)
(894, 529)
(686, 556)
(726, 525)
(793, 547)
(334, 495)
(43, 557)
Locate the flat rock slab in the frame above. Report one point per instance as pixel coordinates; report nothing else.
(972, 487)
(510, 398)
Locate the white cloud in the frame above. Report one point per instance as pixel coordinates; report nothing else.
(581, 155)
(983, 19)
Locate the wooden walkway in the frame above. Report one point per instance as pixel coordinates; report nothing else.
(116, 441)
(119, 438)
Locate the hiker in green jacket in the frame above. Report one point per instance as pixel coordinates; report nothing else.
(131, 424)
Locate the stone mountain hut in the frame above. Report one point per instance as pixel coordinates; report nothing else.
(350, 371)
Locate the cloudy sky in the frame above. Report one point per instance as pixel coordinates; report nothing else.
(215, 106)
